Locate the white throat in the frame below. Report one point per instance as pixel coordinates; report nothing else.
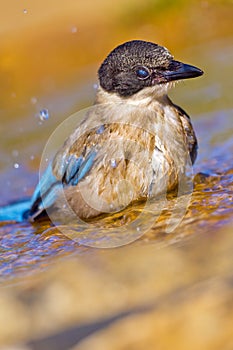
(143, 97)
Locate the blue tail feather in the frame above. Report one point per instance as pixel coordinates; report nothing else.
(15, 211)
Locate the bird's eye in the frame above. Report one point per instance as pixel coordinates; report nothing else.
(142, 73)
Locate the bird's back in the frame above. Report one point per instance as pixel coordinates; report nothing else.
(119, 153)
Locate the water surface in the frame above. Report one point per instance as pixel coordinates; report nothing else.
(26, 248)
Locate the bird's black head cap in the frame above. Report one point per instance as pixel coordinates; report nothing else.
(137, 64)
(127, 69)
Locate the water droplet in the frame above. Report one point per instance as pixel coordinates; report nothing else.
(16, 165)
(15, 153)
(100, 130)
(113, 163)
(33, 100)
(95, 86)
(25, 11)
(46, 159)
(44, 114)
(138, 228)
(74, 29)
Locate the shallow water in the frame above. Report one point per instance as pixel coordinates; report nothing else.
(27, 248)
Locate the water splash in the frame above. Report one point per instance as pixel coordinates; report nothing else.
(43, 114)
(15, 153)
(74, 30)
(113, 163)
(33, 100)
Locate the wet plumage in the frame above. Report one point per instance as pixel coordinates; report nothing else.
(133, 144)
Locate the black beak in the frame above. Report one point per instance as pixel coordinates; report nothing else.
(178, 70)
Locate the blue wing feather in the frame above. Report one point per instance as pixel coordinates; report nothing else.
(85, 167)
(46, 182)
(73, 170)
(73, 166)
(49, 199)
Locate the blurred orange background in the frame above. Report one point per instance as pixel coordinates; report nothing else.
(48, 44)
